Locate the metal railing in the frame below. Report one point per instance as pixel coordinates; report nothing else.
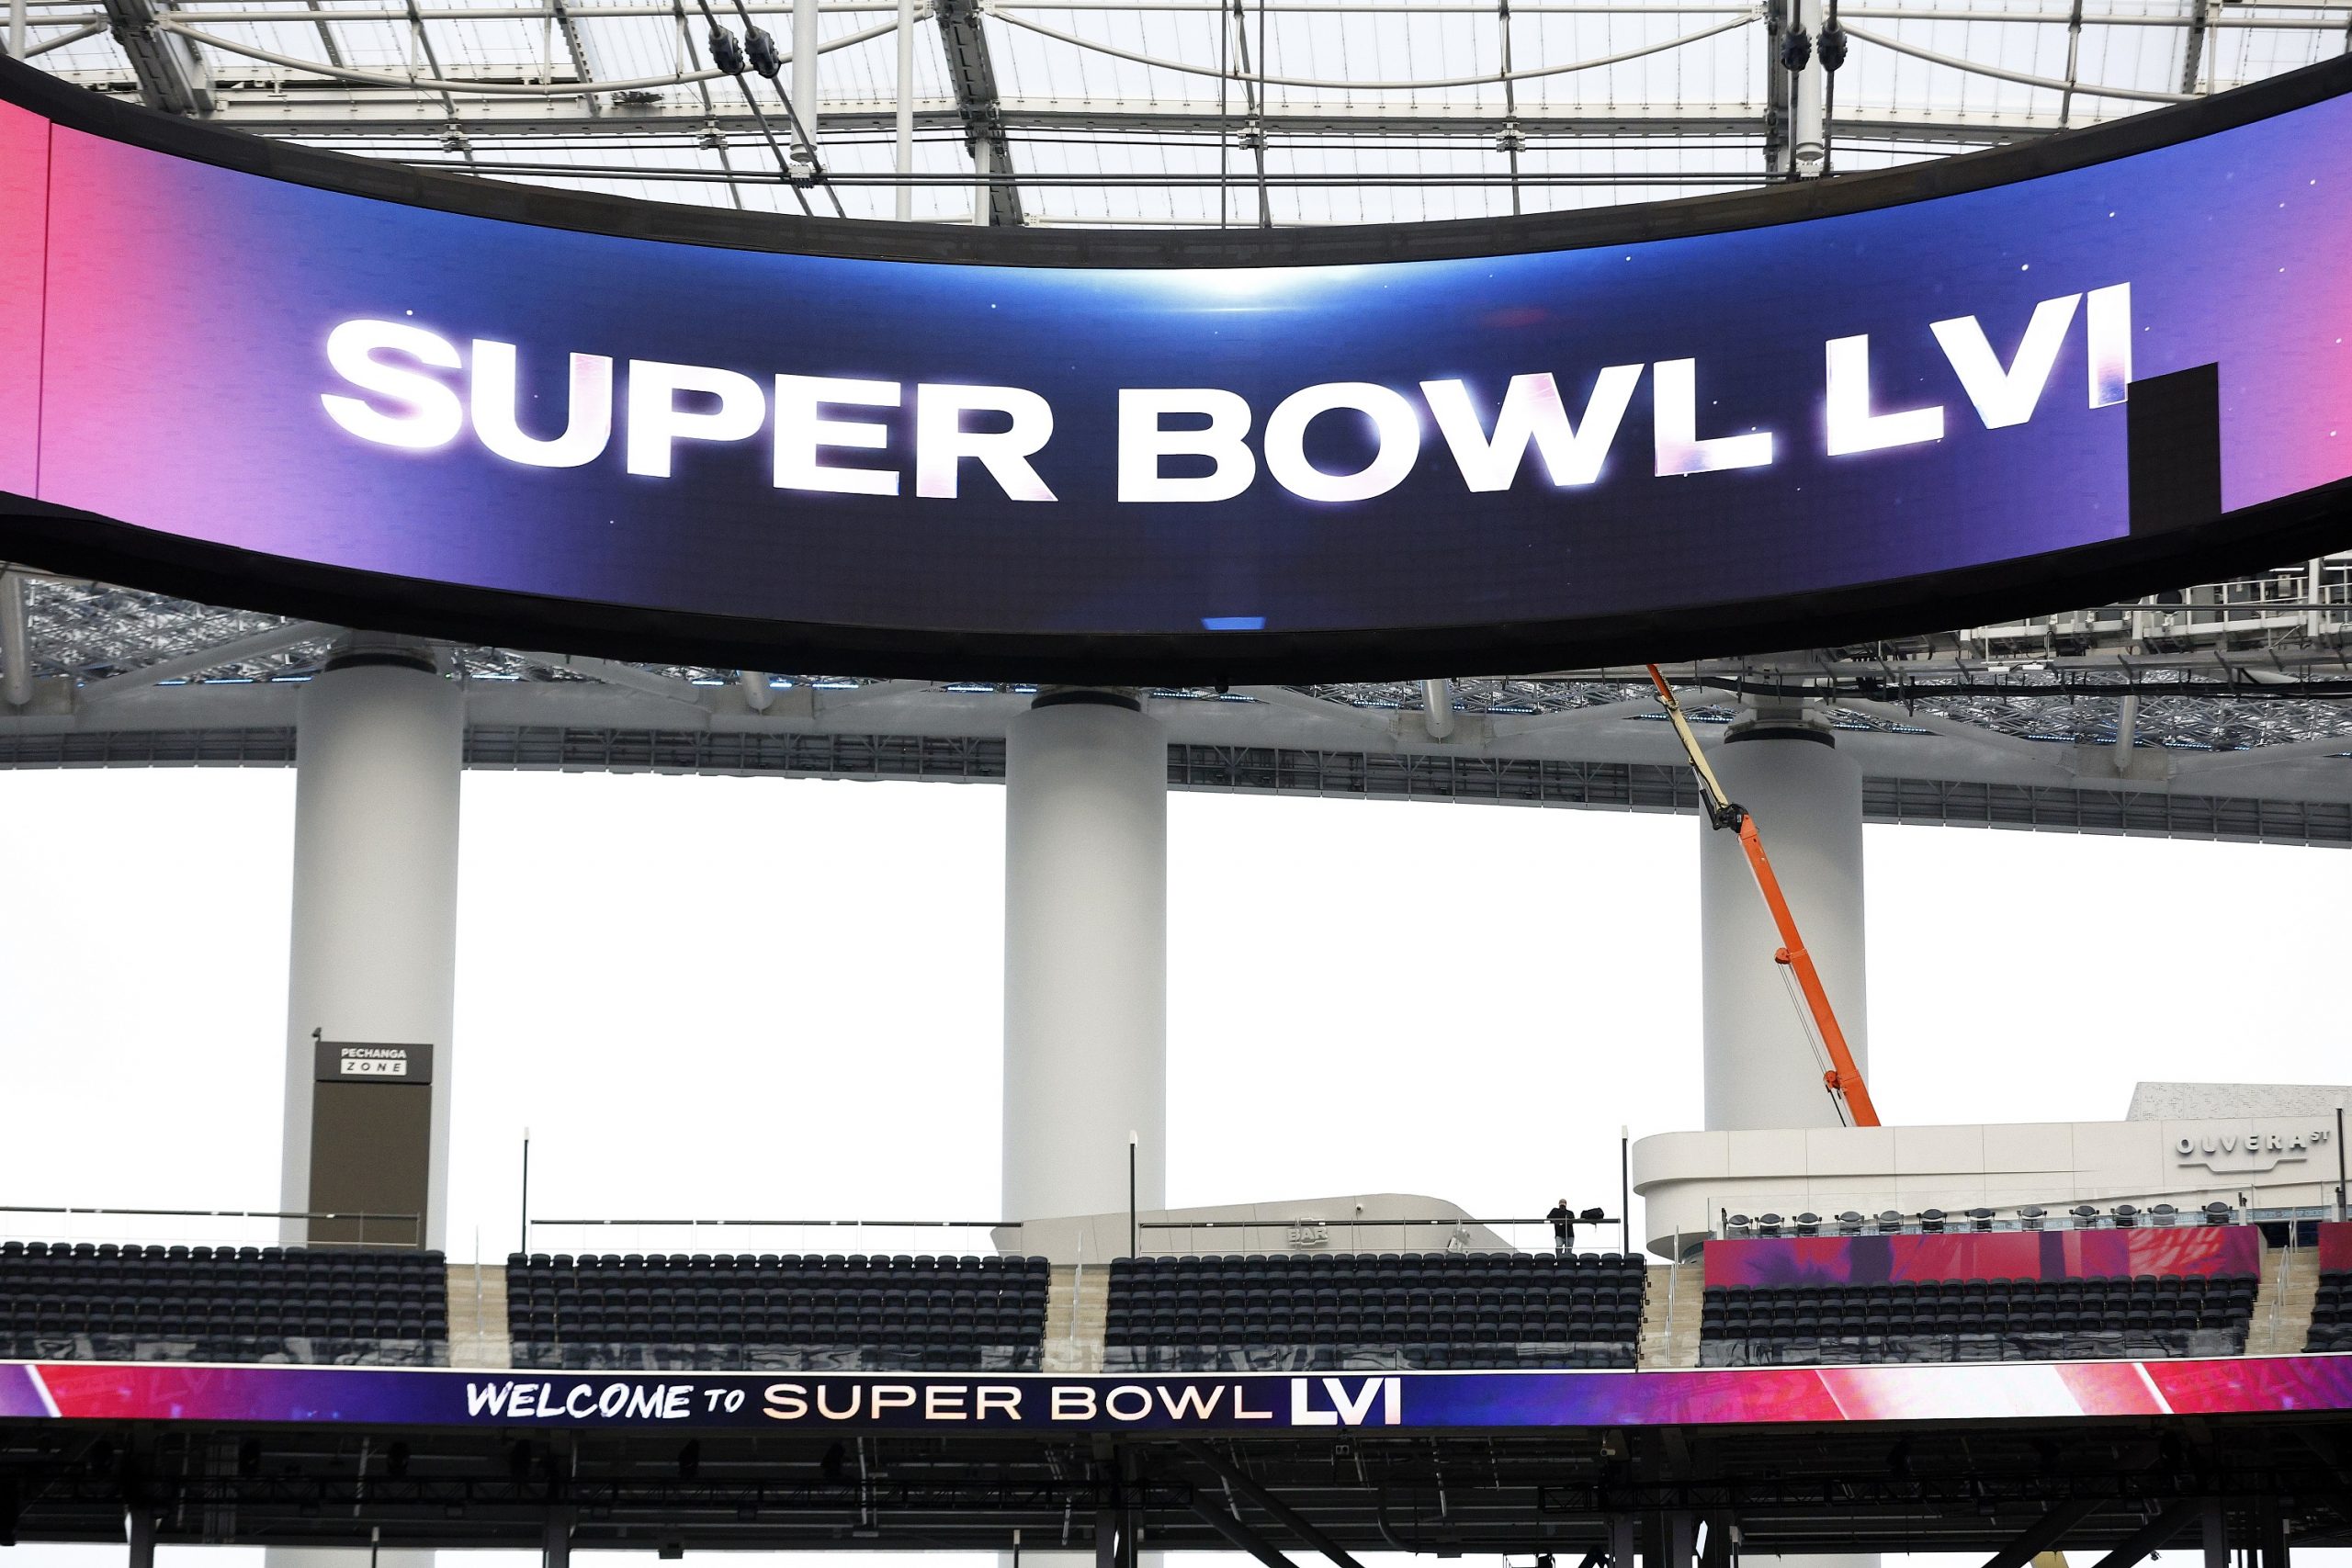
(1748, 1224)
(413, 1225)
(1310, 1233)
(695, 1232)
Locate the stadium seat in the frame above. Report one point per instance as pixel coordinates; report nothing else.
(111, 1302)
(1997, 1319)
(1362, 1311)
(2332, 1313)
(766, 1311)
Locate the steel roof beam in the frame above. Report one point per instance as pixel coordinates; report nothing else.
(629, 677)
(2157, 1532)
(318, 110)
(1297, 1522)
(2042, 1535)
(1234, 1530)
(973, 71)
(171, 75)
(583, 64)
(276, 640)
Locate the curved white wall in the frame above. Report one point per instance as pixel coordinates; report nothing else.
(1085, 959)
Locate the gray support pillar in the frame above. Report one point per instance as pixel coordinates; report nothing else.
(1762, 1068)
(373, 954)
(1085, 956)
(379, 740)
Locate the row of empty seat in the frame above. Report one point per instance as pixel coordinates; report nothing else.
(1366, 1310)
(810, 1312)
(1934, 1222)
(61, 1301)
(1230, 1313)
(1976, 1320)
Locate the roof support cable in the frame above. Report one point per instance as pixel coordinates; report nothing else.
(903, 119)
(1224, 119)
(2001, 73)
(715, 139)
(1250, 75)
(1265, 209)
(770, 64)
(454, 140)
(2074, 58)
(727, 54)
(1253, 79)
(1512, 141)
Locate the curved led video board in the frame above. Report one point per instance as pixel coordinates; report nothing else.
(2100, 364)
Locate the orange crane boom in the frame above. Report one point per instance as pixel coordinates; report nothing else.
(1844, 1078)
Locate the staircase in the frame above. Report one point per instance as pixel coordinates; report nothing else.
(1077, 1307)
(1672, 1299)
(2283, 1307)
(478, 1316)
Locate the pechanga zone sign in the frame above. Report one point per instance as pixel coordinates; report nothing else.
(2110, 362)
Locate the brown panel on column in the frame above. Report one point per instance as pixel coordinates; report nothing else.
(371, 1142)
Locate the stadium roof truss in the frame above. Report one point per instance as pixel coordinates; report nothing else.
(1154, 112)
(2218, 713)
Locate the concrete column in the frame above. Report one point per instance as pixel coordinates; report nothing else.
(1762, 1069)
(1085, 956)
(380, 741)
(1780, 761)
(373, 956)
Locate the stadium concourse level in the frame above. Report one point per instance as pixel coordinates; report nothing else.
(2135, 1291)
(799, 1313)
(84, 1301)
(1373, 1311)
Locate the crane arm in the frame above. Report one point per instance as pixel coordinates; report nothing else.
(1844, 1079)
